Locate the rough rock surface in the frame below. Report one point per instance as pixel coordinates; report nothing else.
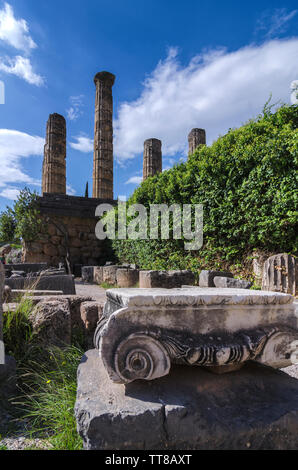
(227, 282)
(256, 408)
(126, 277)
(51, 321)
(280, 273)
(207, 277)
(165, 279)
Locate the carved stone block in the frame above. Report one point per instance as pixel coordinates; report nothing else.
(207, 277)
(143, 331)
(280, 274)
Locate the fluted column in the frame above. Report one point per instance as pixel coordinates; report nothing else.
(54, 163)
(103, 137)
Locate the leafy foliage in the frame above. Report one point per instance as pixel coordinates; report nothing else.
(21, 221)
(247, 183)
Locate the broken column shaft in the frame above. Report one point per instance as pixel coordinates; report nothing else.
(196, 137)
(103, 137)
(54, 164)
(152, 162)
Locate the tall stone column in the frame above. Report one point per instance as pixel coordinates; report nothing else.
(152, 162)
(54, 163)
(196, 137)
(103, 137)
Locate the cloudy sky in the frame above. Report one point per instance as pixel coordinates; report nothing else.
(179, 65)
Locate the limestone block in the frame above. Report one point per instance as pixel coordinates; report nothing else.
(207, 277)
(143, 331)
(50, 250)
(109, 274)
(51, 322)
(280, 274)
(88, 274)
(255, 408)
(98, 274)
(228, 282)
(127, 277)
(165, 279)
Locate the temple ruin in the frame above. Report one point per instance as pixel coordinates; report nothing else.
(152, 162)
(68, 228)
(54, 164)
(103, 136)
(196, 137)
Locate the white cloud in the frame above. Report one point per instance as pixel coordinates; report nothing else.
(74, 112)
(275, 22)
(15, 32)
(82, 144)
(14, 146)
(70, 190)
(135, 180)
(22, 68)
(215, 91)
(10, 193)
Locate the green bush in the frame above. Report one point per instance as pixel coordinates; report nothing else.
(247, 183)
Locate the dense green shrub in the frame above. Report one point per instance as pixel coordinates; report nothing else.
(247, 183)
(21, 221)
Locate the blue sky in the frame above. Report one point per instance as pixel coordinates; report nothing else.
(179, 65)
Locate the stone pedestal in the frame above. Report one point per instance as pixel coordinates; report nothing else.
(144, 331)
(254, 408)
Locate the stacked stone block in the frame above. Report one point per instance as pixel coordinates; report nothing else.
(152, 162)
(54, 164)
(196, 137)
(103, 137)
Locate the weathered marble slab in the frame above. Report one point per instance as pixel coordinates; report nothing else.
(143, 331)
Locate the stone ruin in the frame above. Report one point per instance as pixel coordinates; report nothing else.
(147, 385)
(68, 230)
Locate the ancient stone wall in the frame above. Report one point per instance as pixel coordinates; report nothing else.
(103, 137)
(54, 164)
(68, 230)
(152, 162)
(196, 137)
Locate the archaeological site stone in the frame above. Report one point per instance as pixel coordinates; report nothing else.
(196, 137)
(126, 277)
(51, 322)
(228, 282)
(165, 279)
(280, 274)
(152, 159)
(103, 136)
(98, 275)
(207, 277)
(109, 274)
(254, 408)
(54, 164)
(143, 331)
(64, 283)
(88, 274)
(91, 312)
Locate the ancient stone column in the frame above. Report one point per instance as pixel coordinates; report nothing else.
(280, 274)
(103, 137)
(196, 137)
(54, 163)
(152, 162)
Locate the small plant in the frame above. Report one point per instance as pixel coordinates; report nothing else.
(106, 285)
(49, 394)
